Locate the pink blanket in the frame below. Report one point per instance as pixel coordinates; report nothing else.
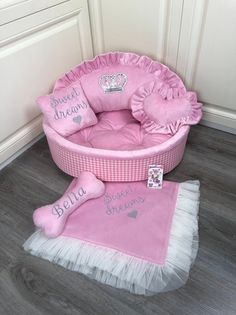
(129, 217)
(143, 240)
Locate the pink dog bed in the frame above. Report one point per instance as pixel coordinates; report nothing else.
(124, 142)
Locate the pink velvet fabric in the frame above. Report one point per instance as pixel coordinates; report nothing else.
(117, 130)
(123, 73)
(130, 218)
(51, 218)
(67, 110)
(102, 101)
(157, 96)
(160, 113)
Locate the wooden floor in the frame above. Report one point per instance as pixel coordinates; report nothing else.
(29, 285)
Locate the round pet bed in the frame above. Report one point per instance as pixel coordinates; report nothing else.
(118, 148)
(111, 165)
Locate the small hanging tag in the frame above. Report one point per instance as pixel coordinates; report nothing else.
(155, 176)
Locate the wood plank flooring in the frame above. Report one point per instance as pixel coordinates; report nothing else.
(29, 285)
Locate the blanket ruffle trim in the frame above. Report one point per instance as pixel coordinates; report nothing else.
(120, 270)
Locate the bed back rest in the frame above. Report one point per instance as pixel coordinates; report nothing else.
(110, 88)
(110, 80)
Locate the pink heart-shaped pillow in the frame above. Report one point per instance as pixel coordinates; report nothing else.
(164, 115)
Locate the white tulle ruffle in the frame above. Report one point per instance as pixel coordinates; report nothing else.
(123, 271)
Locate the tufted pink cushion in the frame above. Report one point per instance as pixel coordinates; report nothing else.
(67, 110)
(159, 112)
(117, 130)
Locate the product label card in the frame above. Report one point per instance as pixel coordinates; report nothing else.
(155, 176)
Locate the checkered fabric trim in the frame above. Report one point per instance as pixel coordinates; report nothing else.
(114, 170)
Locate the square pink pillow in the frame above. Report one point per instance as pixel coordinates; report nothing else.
(67, 110)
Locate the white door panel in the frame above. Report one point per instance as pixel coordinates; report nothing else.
(30, 66)
(35, 51)
(206, 58)
(132, 25)
(11, 10)
(216, 68)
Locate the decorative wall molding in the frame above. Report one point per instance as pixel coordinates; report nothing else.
(26, 95)
(11, 10)
(194, 17)
(18, 29)
(96, 24)
(84, 30)
(162, 16)
(192, 24)
(5, 4)
(156, 29)
(172, 33)
(41, 46)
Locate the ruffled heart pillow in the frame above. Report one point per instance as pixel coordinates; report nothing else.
(160, 113)
(67, 110)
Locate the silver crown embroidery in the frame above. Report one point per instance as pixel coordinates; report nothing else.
(111, 83)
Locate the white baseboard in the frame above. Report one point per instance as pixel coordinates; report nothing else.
(20, 141)
(219, 118)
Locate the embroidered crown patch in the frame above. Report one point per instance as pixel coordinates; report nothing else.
(111, 83)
